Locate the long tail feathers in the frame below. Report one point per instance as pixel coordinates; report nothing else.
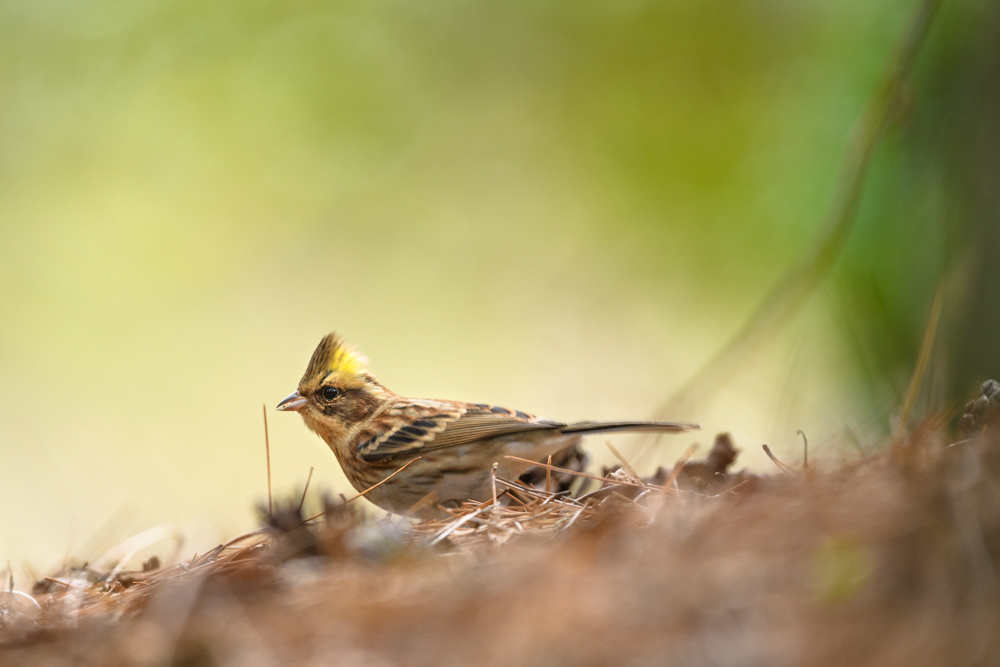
(649, 427)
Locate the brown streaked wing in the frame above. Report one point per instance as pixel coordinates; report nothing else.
(406, 424)
(420, 426)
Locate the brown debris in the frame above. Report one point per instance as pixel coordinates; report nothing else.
(982, 412)
(891, 560)
(709, 475)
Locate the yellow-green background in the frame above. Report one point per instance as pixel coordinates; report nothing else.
(564, 207)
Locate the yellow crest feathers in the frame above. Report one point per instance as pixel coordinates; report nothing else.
(345, 360)
(333, 356)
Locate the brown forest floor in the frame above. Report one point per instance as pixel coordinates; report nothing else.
(890, 560)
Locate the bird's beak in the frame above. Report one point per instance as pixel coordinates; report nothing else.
(294, 402)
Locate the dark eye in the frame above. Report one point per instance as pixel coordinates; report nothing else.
(330, 393)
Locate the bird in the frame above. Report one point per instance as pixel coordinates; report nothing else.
(443, 452)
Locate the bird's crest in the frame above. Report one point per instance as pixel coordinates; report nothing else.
(333, 356)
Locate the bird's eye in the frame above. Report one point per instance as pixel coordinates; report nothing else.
(330, 393)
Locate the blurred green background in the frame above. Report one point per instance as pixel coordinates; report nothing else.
(561, 207)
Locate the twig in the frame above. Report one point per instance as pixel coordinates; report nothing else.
(493, 475)
(512, 492)
(731, 490)
(373, 486)
(925, 352)
(805, 449)
(267, 449)
(792, 290)
(451, 528)
(587, 475)
(240, 538)
(68, 584)
(680, 465)
(621, 459)
(515, 487)
(781, 466)
(303, 500)
(548, 476)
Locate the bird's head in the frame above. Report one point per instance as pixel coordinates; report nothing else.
(336, 392)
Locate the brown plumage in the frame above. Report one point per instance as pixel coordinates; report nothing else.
(375, 432)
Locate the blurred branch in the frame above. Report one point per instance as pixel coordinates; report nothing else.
(792, 290)
(925, 354)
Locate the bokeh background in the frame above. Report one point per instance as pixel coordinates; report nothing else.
(562, 207)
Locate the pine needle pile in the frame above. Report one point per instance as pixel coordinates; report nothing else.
(889, 560)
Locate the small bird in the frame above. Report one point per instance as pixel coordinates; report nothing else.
(374, 432)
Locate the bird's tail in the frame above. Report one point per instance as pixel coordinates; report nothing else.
(584, 428)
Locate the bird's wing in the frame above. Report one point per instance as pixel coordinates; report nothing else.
(412, 426)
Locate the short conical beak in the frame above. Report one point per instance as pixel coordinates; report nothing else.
(294, 402)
